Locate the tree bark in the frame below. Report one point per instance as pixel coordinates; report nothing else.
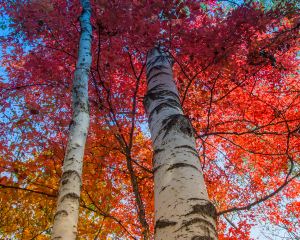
(182, 206)
(66, 216)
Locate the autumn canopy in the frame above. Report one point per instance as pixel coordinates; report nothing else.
(236, 68)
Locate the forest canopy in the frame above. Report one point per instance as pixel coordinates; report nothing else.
(236, 68)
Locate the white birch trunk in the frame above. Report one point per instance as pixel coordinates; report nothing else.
(182, 206)
(66, 216)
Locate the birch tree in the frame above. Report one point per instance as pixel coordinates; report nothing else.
(66, 216)
(182, 207)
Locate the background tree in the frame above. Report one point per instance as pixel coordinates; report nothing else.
(236, 69)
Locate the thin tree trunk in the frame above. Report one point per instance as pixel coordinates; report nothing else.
(138, 199)
(182, 206)
(66, 216)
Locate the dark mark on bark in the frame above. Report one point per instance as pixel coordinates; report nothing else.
(158, 150)
(205, 209)
(156, 168)
(149, 79)
(186, 146)
(193, 150)
(157, 67)
(159, 60)
(156, 88)
(65, 181)
(197, 199)
(170, 103)
(146, 102)
(205, 225)
(61, 212)
(179, 165)
(177, 122)
(163, 188)
(202, 238)
(156, 92)
(162, 223)
(160, 88)
(70, 195)
(68, 174)
(194, 153)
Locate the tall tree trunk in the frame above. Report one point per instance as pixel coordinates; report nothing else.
(66, 216)
(182, 206)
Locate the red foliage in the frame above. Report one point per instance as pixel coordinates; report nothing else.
(237, 71)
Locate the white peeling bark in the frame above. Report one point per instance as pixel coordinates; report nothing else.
(66, 216)
(182, 206)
